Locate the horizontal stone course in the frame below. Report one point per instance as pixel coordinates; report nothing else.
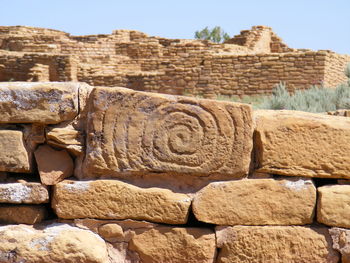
(275, 244)
(256, 202)
(113, 199)
(296, 143)
(23, 193)
(48, 103)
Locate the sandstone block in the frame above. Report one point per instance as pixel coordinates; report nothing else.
(274, 244)
(13, 154)
(30, 102)
(130, 131)
(22, 214)
(256, 202)
(302, 144)
(112, 199)
(51, 243)
(333, 205)
(174, 244)
(341, 242)
(23, 193)
(54, 166)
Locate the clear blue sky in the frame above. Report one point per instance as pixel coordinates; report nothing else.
(314, 24)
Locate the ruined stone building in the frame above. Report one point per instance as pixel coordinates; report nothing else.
(249, 63)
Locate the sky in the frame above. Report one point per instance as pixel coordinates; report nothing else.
(311, 24)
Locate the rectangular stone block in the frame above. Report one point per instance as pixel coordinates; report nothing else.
(275, 244)
(333, 205)
(13, 153)
(137, 132)
(33, 102)
(296, 143)
(256, 202)
(23, 193)
(113, 199)
(22, 214)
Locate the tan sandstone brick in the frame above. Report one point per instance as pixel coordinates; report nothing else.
(333, 205)
(296, 143)
(132, 131)
(275, 244)
(113, 199)
(30, 102)
(256, 202)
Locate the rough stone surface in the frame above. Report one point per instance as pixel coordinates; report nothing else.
(110, 231)
(112, 199)
(51, 244)
(333, 205)
(54, 166)
(256, 202)
(165, 133)
(65, 137)
(175, 245)
(46, 102)
(23, 193)
(22, 214)
(13, 153)
(341, 242)
(275, 244)
(302, 144)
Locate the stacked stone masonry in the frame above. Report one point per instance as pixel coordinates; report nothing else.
(250, 63)
(107, 175)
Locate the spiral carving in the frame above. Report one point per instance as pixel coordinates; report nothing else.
(144, 132)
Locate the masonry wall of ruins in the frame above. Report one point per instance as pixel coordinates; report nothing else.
(113, 175)
(250, 63)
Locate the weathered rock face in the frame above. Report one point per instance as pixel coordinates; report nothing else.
(23, 193)
(302, 144)
(131, 131)
(341, 242)
(49, 103)
(256, 202)
(275, 244)
(13, 153)
(112, 199)
(54, 166)
(174, 244)
(333, 205)
(23, 214)
(51, 243)
(139, 241)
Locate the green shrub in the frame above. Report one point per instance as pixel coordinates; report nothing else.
(216, 34)
(315, 99)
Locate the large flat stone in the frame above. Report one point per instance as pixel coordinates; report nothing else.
(50, 244)
(30, 102)
(302, 144)
(23, 193)
(333, 205)
(256, 202)
(112, 199)
(22, 214)
(275, 244)
(175, 244)
(137, 132)
(13, 153)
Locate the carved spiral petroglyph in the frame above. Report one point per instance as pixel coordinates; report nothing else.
(158, 134)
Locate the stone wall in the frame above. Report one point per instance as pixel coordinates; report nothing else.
(116, 175)
(250, 63)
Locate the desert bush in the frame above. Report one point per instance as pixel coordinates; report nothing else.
(216, 34)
